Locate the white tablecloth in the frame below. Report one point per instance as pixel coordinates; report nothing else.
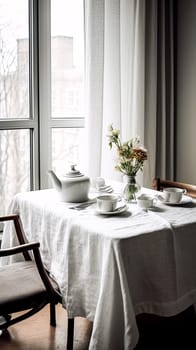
(111, 268)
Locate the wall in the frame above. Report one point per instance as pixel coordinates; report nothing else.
(186, 92)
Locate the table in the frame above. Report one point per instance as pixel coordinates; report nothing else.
(112, 268)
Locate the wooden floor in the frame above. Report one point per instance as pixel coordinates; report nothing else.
(35, 333)
(156, 333)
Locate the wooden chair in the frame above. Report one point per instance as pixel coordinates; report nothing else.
(26, 286)
(159, 184)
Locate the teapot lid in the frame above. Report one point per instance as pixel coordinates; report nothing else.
(73, 172)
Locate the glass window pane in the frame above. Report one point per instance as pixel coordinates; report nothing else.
(67, 149)
(14, 165)
(67, 58)
(14, 59)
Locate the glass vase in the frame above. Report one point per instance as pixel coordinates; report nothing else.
(131, 188)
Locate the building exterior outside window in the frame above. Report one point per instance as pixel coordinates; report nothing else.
(41, 93)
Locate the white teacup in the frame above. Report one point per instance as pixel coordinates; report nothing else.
(107, 203)
(173, 194)
(146, 201)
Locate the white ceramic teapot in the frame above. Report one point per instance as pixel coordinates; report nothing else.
(73, 187)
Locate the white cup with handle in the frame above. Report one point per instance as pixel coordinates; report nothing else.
(107, 203)
(173, 194)
(146, 201)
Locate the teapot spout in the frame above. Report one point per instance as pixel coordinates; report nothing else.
(55, 180)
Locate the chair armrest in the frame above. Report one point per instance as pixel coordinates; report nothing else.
(19, 249)
(8, 217)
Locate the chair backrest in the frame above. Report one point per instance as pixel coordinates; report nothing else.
(37, 289)
(159, 184)
(27, 285)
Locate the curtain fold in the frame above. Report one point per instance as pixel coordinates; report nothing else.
(165, 90)
(129, 82)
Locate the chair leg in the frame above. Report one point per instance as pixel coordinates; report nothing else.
(52, 315)
(70, 333)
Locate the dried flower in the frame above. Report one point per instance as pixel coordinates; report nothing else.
(131, 155)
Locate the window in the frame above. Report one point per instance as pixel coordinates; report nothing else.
(14, 58)
(41, 92)
(15, 114)
(67, 77)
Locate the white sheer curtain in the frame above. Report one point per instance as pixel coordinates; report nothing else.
(122, 79)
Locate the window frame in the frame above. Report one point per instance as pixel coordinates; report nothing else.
(40, 122)
(30, 123)
(45, 110)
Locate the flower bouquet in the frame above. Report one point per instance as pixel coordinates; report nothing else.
(131, 156)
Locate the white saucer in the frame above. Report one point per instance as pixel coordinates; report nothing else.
(184, 200)
(118, 210)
